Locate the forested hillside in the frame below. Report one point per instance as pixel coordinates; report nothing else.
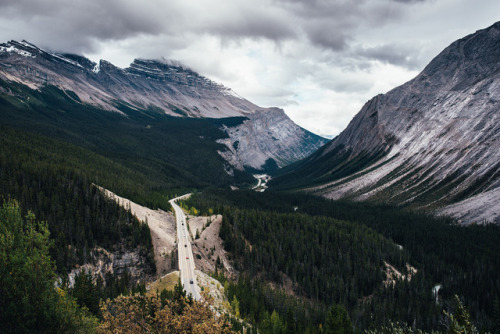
(168, 152)
(335, 253)
(54, 181)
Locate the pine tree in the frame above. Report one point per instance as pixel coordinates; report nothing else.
(29, 300)
(337, 321)
(460, 321)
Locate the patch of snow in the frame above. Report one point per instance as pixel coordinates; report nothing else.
(55, 55)
(96, 68)
(262, 182)
(11, 49)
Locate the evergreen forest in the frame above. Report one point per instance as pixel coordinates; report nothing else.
(305, 264)
(335, 253)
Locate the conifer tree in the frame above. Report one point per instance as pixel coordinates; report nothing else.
(337, 321)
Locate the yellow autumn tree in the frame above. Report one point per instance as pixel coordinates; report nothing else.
(143, 314)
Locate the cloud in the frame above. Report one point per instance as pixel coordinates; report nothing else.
(323, 36)
(314, 57)
(399, 55)
(409, 1)
(77, 25)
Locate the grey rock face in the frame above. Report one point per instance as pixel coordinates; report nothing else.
(440, 133)
(268, 134)
(169, 88)
(104, 262)
(176, 90)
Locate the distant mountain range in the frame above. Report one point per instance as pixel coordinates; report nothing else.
(165, 88)
(431, 143)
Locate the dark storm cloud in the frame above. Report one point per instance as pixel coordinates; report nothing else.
(391, 54)
(329, 38)
(77, 24)
(252, 23)
(408, 1)
(333, 25)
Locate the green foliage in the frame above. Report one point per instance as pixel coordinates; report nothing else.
(464, 260)
(86, 293)
(235, 307)
(337, 321)
(47, 177)
(397, 328)
(460, 321)
(29, 301)
(329, 259)
(257, 303)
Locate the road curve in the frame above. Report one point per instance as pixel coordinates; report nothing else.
(186, 260)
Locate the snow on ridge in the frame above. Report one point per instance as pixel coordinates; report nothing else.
(55, 55)
(97, 68)
(12, 48)
(29, 45)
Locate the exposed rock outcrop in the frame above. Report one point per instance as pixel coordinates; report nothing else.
(266, 140)
(116, 263)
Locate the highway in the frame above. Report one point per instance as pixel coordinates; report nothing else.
(186, 260)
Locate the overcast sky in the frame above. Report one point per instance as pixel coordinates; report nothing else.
(319, 60)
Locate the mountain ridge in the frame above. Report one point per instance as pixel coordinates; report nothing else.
(162, 87)
(101, 84)
(429, 143)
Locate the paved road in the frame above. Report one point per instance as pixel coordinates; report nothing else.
(186, 260)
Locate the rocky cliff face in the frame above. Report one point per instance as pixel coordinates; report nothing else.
(164, 87)
(268, 139)
(116, 263)
(431, 143)
(171, 87)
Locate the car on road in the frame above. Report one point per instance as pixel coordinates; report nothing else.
(187, 257)
(185, 245)
(191, 282)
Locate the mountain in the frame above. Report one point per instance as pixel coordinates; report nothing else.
(431, 143)
(160, 86)
(265, 134)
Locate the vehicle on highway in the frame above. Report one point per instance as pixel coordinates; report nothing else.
(191, 282)
(187, 258)
(185, 245)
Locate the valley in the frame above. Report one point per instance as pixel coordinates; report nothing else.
(155, 189)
